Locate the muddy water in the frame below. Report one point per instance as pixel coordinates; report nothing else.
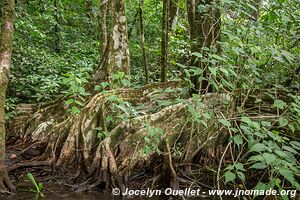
(56, 192)
(69, 195)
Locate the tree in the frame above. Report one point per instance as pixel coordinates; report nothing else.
(103, 6)
(24, 5)
(66, 129)
(5, 62)
(89, 8)
(116, 56)
(205, 28)
(174, 14)
(142, 36)
(165, 40)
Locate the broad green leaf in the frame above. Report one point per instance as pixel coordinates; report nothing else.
(259, 166)
(197, 54)
(69, 101)
(261, 186)
(269, 158)
(246, 120)
(229, 177)
(229, 167)
(225, 122)
(97, 88)
(213, 70)
(238, 140)
(279, 104)
(256, 158)
(217, 57)
(295, 145)
(148, 150)
(258, 147)
(280, 153)
(75, 110)
(241, 175)
(290, 149)
(239, 167)
(283, 122)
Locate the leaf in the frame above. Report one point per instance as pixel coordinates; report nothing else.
(258, 147)
(280, 153)
(105, 84)
(225, 122)
(97, 88)
(238, 140)
(283, 122)
(246, 120)
(256, 158)
(239, 167)
(213, 70)
(260, 186)
(229, 177)
(69, 101)
(287, 175)
(295, 145)
(148, 150)
(279, 104)
(217, 57)
(290, 149)
(229, 167)
(75, 110)
(241, 175)
(269, 158)
(197, 54)
(259, 166)
(32, 180)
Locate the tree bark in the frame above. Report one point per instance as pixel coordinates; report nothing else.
(165, 40)
(103, 6)
(174, 12)
(89, 8)
(116, 56)
(5, 62)
(142, 36)
(24, 8)
(205, 28)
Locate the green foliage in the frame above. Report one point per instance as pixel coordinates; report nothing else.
(153, 140)
(39, 71)
(56, 52)
(38, 186)
(76, 92)
(271, 152)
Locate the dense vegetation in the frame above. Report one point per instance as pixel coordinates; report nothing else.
(213, 89)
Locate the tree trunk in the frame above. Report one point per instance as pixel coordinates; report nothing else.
(89, 8)
(103, 6)
(142, 35)
(24, 8)
(205, 28)
(5, 62)
(116, 56)
(174, 12)
(165, 40)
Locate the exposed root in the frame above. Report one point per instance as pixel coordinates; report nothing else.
(6, 186)
(30, 164)
(71, 143)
